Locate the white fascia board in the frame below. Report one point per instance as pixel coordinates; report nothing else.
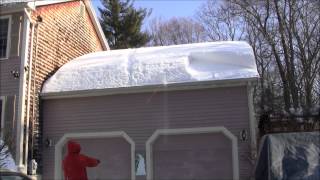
(31, 4)
(34, 4)
(97, 25)
(149, 88)
(92, 15)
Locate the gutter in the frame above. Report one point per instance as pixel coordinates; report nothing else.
(148, 88)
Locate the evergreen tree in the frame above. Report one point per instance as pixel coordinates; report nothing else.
(121, 23)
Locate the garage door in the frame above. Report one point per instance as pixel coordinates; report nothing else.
(192, 156)
(114, 154)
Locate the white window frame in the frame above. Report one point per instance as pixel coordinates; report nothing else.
(3, 103)
(9, 17)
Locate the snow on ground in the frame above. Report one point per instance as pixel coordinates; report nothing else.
(155, 66)
(6, 160)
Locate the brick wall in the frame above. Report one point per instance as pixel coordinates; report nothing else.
(66, 32)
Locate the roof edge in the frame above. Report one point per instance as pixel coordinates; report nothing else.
(35, 4)
(97, 25)
(15, 9)
(91, 12)
(150, 88)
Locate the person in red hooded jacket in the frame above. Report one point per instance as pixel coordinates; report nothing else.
(74, 164)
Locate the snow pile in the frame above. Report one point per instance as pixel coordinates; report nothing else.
(155, 66)
(6, 160)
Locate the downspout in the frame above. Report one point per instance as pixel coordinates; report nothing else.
(35, 94)
(22, 88)
(252, 122)
(34, 26)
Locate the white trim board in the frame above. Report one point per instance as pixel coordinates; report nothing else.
(97, 25)
(149, 88)
(3, 104)
(9, 17)
(59, 146)
(223, 130)
(91, 12)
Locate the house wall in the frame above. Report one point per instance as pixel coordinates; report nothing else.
(66, 32)
(193, 156)
(9, 85)
(139, 115)
(113, 153)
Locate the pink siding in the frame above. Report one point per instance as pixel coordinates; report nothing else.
(114, 154)
(8, 84)
(194, 156)
(139, 115)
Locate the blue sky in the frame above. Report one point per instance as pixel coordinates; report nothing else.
(166, 8)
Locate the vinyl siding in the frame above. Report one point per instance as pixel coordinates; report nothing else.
(114, 155)
(139, 115)
(9, 85)
(66, 32)
(193, 156)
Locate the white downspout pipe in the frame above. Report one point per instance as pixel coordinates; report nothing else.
(22, 96)
(34, 25)
(22, 88)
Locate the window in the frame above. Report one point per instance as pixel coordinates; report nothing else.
(140, 162)
(5, 22)
(2, 104)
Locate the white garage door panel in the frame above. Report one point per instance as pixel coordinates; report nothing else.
(114, 154)
(193, 156)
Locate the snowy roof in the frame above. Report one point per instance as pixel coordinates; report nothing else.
(155, 66)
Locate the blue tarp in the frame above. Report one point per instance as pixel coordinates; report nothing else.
(289, 156)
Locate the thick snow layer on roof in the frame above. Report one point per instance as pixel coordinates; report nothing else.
(155, 66)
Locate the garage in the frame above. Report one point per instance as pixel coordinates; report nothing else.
(114, 150)
(183, 112)
(192, 154)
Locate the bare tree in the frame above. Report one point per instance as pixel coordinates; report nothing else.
(175, 31)
(291, 29)
(221, 22)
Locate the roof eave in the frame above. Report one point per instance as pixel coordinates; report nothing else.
(97, 25)
(13, 9)
(151, 88)
(92, 15)
(17, 7)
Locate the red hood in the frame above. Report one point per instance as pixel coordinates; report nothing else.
(73, 147)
